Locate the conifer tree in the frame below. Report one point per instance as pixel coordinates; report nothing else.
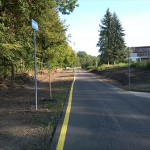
(118, 43)
(111, 39)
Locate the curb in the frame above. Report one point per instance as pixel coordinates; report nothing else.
(60, 135)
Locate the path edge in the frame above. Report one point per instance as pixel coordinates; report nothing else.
(56, 138)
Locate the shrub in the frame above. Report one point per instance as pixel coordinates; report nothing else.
(141, 65)
(148, 65)
(133, 65)
(104, 66)
(90, 68)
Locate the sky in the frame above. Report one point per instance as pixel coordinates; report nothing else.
(84, 22)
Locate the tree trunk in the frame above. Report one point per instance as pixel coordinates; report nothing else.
(41, 64)
(108, 62)
(21, 66)
(12, 71)
(5, 69)
(114, 62)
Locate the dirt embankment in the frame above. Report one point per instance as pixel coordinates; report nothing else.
(23, 128)
(139, 79)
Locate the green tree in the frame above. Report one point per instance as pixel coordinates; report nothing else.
(11, 49)
(70, 57)
(104, 42)
(111, 39)
(118, 43)
(16, 47)
(86, 60)
(66, 6)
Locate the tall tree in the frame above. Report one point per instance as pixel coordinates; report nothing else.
(16, 47)
(111, 38)
(104, 42)
(118, 43)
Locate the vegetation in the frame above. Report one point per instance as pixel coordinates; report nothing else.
(105, 66)
(87, 60)
(111, 39)
(144, 65)
(16, 47)
(119, 75)
(20, 122)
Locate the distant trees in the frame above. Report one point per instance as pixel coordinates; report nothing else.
(111, 39)
(86, 60)
(16, 34)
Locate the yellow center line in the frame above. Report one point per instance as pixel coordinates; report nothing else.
(63, 132)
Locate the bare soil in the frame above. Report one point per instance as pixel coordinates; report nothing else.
(139, 79)
(23, 128)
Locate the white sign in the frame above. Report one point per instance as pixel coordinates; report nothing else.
(35, 25)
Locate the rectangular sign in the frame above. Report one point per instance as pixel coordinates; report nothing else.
(35, 25)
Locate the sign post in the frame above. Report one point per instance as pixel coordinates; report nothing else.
(35, 27)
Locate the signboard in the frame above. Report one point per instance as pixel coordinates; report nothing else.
(35, 25)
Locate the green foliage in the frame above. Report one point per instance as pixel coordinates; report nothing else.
(120, 65)
(16, 47)
(66, 6)
(70, 57)
(111, 39)
(86, 60)
(145, 65)
(91, 68)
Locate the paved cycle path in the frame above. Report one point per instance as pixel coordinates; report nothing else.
(104, 117)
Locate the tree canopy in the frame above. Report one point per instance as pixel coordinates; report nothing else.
(66, 6)
(111, 39)
(86, 60)
(16, 34)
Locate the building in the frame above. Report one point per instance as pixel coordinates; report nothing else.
(140, 53)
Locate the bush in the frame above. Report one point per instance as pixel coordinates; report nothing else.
(148, 65)
(133, 65)
(90, 68)
(104, 66)
(141, 65)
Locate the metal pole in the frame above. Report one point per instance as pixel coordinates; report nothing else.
(35, 70)
(129, 65)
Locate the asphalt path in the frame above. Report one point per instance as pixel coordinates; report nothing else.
(104, 117)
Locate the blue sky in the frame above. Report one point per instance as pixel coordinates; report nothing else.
(84, 22)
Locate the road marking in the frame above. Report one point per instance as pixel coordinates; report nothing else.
(64, 128)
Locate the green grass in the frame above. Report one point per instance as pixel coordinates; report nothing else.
(144, 65)
(105, 66)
